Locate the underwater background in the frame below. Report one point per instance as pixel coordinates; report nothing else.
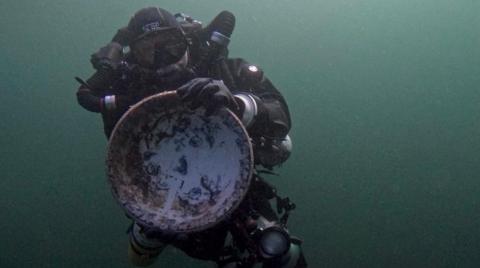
(385, 101)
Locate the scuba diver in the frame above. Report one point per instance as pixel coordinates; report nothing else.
(157, 52)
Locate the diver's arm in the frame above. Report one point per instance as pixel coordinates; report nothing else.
(267, 119)
(264, 110)
(93, 95)
(264, 113)
(89, 94)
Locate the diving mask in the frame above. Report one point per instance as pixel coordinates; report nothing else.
(160, 48)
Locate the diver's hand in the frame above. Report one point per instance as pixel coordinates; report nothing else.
(108, 57)
(207, 92)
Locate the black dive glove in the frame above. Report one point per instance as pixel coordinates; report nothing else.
(108, 57)
(207, 92)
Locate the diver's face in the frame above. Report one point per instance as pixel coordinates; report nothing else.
(160, 48)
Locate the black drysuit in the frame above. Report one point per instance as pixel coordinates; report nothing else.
(271, 122)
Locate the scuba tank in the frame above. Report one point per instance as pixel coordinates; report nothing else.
(212, 39)
(220, 30)
(209, 44)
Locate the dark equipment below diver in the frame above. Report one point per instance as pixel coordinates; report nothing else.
(259, 236)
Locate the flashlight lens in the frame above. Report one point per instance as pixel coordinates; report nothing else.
(274, 243)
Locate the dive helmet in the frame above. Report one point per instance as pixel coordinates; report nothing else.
(158, 40)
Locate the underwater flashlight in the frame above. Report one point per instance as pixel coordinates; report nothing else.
(274, 242)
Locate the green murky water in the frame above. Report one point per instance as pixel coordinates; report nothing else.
(385, 100)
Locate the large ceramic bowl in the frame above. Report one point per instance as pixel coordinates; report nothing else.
(176, 169)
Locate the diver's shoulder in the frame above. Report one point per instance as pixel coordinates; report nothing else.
(235, 63)
(241, 67)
